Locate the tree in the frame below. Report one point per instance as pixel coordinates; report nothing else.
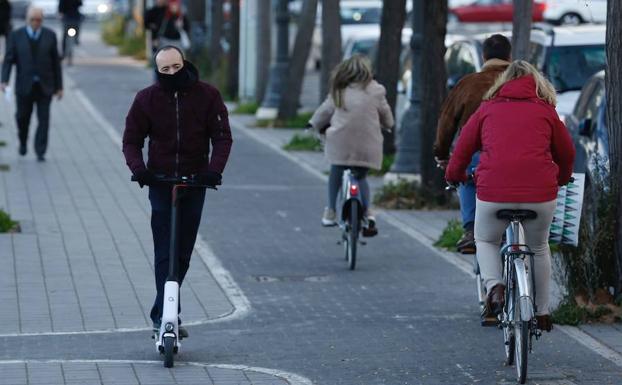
(613, 87)
(215, 27)
(288, 106)
(264, 48)
(387, 61)
(433, 89)
(234, 51)
(331, 42)
(521, 28)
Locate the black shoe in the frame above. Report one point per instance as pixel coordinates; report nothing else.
(40, 158)
(466, 244)
(370, 230)
(488, 318)
(22, 149)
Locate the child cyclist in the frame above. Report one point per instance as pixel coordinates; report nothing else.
(351, 119)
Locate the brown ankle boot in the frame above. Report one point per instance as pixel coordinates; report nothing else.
(496, 299)
(545, 322)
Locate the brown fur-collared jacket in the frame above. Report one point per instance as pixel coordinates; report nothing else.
(462, 102)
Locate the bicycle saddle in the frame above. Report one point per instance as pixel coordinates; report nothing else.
(519, 215)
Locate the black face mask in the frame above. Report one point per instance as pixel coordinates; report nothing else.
(177, 81)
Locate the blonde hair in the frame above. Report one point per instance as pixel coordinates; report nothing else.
(356, 69)
(520, 68)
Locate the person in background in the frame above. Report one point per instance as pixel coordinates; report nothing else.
(69, 10)
(460, 104)
(167, 24)
(526, 154)
(5, 23)
(354, 113)
(32, 49)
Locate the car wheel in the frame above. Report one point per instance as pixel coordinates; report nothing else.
(570, 19)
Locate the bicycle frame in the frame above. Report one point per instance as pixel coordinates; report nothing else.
(515, 254)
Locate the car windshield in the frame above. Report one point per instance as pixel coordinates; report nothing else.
(360, 15)
(571, 66)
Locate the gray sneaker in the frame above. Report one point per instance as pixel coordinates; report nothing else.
(329, 218)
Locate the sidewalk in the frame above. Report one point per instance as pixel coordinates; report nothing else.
(426, 226)
(83, 261)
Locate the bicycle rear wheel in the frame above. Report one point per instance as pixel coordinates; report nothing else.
(353, 233)
(509, 341)
(521, 336)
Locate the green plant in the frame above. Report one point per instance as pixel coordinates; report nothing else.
(246, 108)
(387, 162)
(406, 195)
(569, 313)
(451, 234)
(134, 46)
(2, 143)
(303, 143)
(300, 121)
(113, 30)
(6, 223)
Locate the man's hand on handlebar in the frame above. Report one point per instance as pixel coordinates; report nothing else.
(210, 178)
(144, 178)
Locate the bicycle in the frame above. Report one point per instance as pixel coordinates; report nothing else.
(70, 42)
(167, 338)
(517, 320)
(350, 215)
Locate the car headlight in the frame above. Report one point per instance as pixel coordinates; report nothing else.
(103, 8)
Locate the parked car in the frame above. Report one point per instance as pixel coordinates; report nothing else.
(482, 11)
(573, 12)
(588, 127)
(567, 56)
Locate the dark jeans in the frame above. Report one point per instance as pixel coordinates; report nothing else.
(466, 193)
(25, 105)
(189, 218)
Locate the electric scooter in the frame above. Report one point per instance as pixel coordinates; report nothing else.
(167, 338)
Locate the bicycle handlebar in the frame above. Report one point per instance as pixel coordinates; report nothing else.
(187, 180)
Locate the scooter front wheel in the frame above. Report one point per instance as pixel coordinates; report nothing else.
(169, 350)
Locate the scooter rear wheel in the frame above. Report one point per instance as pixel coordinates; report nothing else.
(169, 350)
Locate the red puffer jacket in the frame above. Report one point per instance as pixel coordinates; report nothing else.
(180, 128)
(526, 151)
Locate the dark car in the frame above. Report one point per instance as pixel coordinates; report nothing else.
(588, 126)
(491, 11)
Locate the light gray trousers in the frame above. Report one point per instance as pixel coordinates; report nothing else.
(489, 231)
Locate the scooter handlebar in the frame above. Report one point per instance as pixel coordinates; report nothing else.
(187, 180)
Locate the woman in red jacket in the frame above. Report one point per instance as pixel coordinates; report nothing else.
(526, 153)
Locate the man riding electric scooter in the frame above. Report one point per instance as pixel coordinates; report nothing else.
(182, 117)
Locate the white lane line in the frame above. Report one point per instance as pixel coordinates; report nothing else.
(574, 332)
(291, 378)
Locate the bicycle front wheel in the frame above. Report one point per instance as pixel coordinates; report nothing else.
(521, 336)
(353, 233)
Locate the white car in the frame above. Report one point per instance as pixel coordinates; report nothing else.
(575, 12)
(96, 9)
(567, 56)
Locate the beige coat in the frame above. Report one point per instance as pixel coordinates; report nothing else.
(354, 137)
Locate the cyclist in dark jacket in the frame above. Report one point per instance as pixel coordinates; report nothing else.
(182, 117)
(72, 18)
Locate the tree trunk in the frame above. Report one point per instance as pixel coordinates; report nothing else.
(234, 52)
(331, 42)
(288, 106)
(264, 48)
(613, 85)
(388, 57)
(215, 51)
(433, 89)
(521, 28)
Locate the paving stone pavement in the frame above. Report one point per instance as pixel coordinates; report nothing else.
(83, 261)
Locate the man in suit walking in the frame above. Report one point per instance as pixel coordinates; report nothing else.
(33, 50)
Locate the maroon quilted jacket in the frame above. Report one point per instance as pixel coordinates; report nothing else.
(180, 128)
